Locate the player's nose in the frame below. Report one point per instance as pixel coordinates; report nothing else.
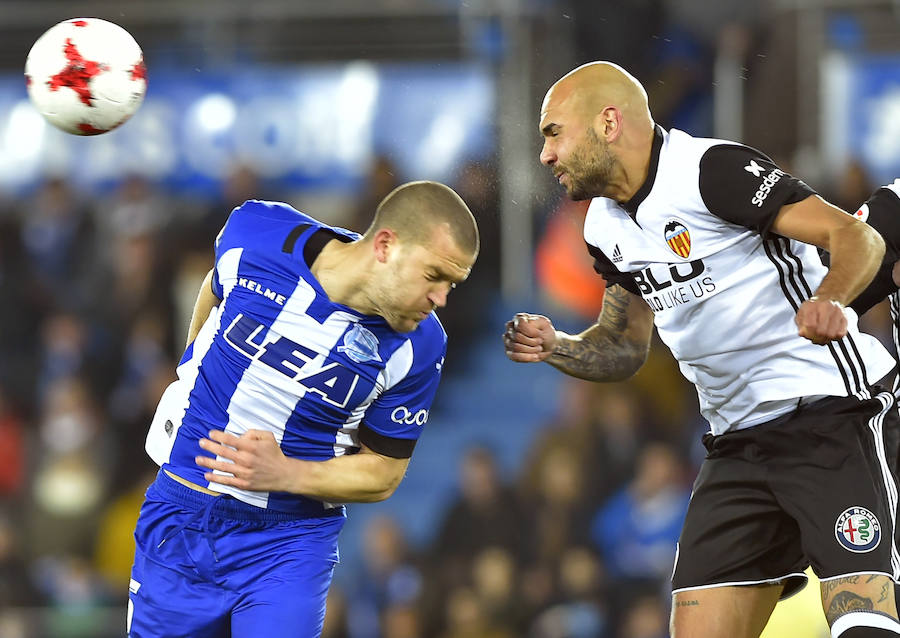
(548, 155)
(438, 298)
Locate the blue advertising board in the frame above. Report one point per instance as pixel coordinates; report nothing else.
(861, 112)
(302, 126)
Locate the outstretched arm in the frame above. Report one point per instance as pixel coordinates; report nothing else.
(254, 461)
(612, 349)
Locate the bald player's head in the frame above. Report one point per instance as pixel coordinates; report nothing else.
(596, 85)
(415, 209)
(597, 131)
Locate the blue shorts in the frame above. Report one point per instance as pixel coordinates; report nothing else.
(215, 567)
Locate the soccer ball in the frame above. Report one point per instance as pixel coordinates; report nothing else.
(86, 76)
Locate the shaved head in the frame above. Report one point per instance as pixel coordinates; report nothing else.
(597, 131)
(596, 85)
(415, 209)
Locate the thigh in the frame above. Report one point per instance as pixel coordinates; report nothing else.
(723, 612)
(858, 592)
(164, 603)
(735, 532)
(290, 603)
(842, 491)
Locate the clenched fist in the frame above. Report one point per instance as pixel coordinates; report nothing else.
(821, 320)
(529, 338)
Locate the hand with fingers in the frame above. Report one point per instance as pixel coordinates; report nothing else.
(529, 338)
(252, 461)
(821, 320)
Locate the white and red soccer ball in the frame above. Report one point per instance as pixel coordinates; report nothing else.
(86, 75)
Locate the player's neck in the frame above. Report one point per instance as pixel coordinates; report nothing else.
(341, 270)
(634, 164)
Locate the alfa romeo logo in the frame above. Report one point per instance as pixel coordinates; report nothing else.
(858, 530)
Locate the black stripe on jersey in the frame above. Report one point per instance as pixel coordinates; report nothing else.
(292, 238)
(381, 444)
(895, 328)
(783, 255)
(854, 361)
(858, 358)
(857, 368)
(774, 248)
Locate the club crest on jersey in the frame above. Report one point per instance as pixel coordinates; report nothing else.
(858, 530)
(863, 213)
(360, 345)
(678, 237)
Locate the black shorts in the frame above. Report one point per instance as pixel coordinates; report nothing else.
(815, 487)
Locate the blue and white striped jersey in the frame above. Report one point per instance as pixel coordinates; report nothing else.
(277, 354)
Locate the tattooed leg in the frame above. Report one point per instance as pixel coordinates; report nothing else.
(723, 612)
(860, 592)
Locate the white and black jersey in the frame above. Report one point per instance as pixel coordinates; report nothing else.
(695, 241)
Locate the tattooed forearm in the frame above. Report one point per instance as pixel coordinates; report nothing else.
(598, 358)
(612, 349)
(687, 603)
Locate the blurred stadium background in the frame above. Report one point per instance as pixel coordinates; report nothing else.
(535, 506)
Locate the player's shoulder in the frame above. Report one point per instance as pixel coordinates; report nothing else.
(429, 339)
(430, 329)
(258, 220)
(717, 152)
(710, 149)
(263, 211)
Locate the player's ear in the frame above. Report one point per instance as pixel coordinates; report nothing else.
(608, 123)
(383, 242)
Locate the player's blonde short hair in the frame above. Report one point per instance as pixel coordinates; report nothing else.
(414, 209)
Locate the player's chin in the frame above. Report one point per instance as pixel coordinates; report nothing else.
(405, 325)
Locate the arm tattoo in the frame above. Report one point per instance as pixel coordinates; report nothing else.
(614, 315)
(687, 603)
(606, 351)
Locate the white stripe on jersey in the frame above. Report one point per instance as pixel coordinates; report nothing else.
(174, 401)
(395, 370)
(895, 329)
(227, 268)
(253, 392)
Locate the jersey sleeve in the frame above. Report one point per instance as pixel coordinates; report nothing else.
(395, 420)
(743, 186)
(882, 212)
(613, 276)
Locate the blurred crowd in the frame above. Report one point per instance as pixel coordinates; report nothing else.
(96, 295)
(578, 542)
